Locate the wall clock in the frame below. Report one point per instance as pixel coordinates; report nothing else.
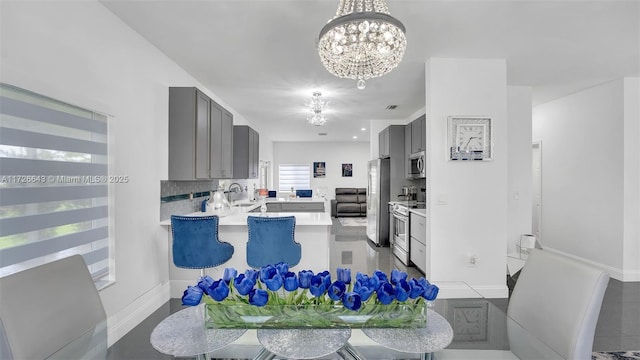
(470, 138)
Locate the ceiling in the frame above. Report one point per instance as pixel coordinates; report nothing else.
(259, 56)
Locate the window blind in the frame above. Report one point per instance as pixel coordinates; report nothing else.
(294, 175)
(53, 183)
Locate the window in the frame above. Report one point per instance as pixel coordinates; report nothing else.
(53, 183)
(296, 176)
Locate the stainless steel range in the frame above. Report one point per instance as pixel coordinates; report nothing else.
(399, 227)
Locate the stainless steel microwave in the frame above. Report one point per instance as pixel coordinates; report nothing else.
(416, 168)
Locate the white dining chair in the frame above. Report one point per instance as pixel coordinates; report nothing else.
(52, 311)
(557, 300)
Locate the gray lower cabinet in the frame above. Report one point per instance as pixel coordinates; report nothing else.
(246, 152)
(302, 207)
(418, 251)
(418, 255)
(293, 207)
(200, 136)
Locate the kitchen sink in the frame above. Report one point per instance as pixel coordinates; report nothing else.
(245, 204)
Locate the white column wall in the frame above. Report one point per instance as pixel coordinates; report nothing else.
(631, 232)
(467, 206)
(519, 167)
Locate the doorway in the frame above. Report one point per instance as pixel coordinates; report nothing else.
(536, 223)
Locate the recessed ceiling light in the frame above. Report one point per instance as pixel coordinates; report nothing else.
(363, 129)
(355, 137)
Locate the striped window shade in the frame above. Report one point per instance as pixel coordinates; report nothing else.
(53, 183)
(294, 176)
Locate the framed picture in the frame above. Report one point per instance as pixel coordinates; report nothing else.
(319, 170)
(470, 138)
(347, 170)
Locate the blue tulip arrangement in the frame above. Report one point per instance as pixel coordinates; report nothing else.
(275, 297)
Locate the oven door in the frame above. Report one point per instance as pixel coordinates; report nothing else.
(400, 231)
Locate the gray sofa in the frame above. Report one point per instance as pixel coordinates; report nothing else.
(349, 202)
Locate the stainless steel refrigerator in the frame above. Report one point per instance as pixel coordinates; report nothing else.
(378, 179)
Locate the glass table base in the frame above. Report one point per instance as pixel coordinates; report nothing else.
(303, 343)
(183, 334)
(437, 335)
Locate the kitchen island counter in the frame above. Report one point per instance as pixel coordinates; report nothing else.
(238, 216)
(312, 232)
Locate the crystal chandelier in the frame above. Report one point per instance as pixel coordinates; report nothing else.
(316, 105)
(362, 41)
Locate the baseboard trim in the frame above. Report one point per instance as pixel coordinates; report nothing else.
(615, 273)
(492, 292)
(458, 289)
(179, 286)
(120, 323)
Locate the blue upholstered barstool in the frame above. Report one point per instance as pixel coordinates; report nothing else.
(196, 244)
(272, 240)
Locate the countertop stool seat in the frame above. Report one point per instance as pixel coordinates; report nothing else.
(196, 244)
(272, 240)
(301, 343)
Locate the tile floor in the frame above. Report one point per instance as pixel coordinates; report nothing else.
(618, 326)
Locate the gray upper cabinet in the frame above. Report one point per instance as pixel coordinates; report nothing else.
(383, 143)
(418, 136)
(200, 136)
(246, 152)
(407, 140)
(221, 135)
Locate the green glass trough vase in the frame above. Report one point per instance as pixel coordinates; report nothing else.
(245, 316)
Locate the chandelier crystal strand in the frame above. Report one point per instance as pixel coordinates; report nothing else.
(362, 41)
(316, 105)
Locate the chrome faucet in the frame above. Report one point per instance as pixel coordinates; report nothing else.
(233, 188)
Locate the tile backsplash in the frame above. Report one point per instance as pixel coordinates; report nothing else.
(175, 196)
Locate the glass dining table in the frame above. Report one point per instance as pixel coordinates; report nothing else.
(461, 324)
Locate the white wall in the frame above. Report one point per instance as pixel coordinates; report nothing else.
(467, 207)
(334, 154)
(519, 194)
(80, 53)
(583, 169)
(631, 232)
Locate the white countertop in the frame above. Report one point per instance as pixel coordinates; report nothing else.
(238, 214)
(421, 212)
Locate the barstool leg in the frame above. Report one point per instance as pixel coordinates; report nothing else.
(348, 352)
(264, 354)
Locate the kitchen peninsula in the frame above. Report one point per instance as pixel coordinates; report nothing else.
(312, 231)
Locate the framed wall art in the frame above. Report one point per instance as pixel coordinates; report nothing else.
(319, 169)
(470, 138)
(347, 170)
